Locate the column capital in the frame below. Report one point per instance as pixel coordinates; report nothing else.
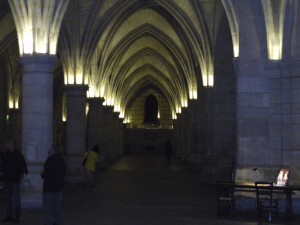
(14, 111)
(283, 64)
(76, 89)
(108, 109)
(38, 63)
(96, 100)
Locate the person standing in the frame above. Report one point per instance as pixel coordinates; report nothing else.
(14, 168)
(53, 176)
(90, 165)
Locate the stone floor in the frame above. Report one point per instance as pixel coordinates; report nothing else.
(143, 190)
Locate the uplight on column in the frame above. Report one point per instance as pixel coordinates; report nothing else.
(274, 19)
(275, 52)
(13, 104)
(208, 80)
(193, 93)
(38, 23)
(236, 50)
(232, 11)
(93, 92)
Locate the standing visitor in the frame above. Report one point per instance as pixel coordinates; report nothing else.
(53, 175)
(91, 157)
(14, 168)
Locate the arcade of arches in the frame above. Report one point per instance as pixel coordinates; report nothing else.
(217, 77)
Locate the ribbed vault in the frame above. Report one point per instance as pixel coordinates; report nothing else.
(142, 43)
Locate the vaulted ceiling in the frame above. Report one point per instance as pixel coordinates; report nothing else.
(120, 47)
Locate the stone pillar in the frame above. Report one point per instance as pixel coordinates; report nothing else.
(179, 147)
(95, 129)
(37, 119)
(175, 137)
(15, 126)
(193, 135)
(75, 131)
(108, 133)
(115, 134)
(95, 122)
(184, 133)
(121, 135)
(288, 146)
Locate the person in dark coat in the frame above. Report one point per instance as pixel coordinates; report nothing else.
(53, 175)
(14, 168)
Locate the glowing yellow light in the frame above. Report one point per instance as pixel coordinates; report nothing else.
(127, 120)
(64, 117)
(121, 115)
(194, 94)
(71, 78)
(93, 92)
(79, 77)
(178, 109)
(205, 80)
(158, 115)
(87, 108)
(116, 108)
(210, 80)
(38, 24)
(274, 22)
(236, 50)
(27, 42)
(11, 104)
(174, 116)
(184, 103)
(53, 44)
(275, 52)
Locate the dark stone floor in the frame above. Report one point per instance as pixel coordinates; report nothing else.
(142, 189)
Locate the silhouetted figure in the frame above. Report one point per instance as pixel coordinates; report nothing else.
(168, 150)
(90, 165)
(53, 175)
(14, 168)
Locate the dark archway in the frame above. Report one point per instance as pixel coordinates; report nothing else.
(151, 110)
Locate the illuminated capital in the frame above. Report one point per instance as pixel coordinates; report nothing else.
(38, 23)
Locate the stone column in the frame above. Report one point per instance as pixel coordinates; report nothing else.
(121, 135)
(95, 129)
(15, 126)
(37, 119)
(183, 133)
(108, 133)
(175, 138)
(75, 131)
(193, 135)
(115, 134)
(95, 122)
(287, 143)
(178, 141)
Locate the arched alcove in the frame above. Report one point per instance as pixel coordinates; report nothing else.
(151, 110)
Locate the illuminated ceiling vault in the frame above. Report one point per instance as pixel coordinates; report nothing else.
(119, 47)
